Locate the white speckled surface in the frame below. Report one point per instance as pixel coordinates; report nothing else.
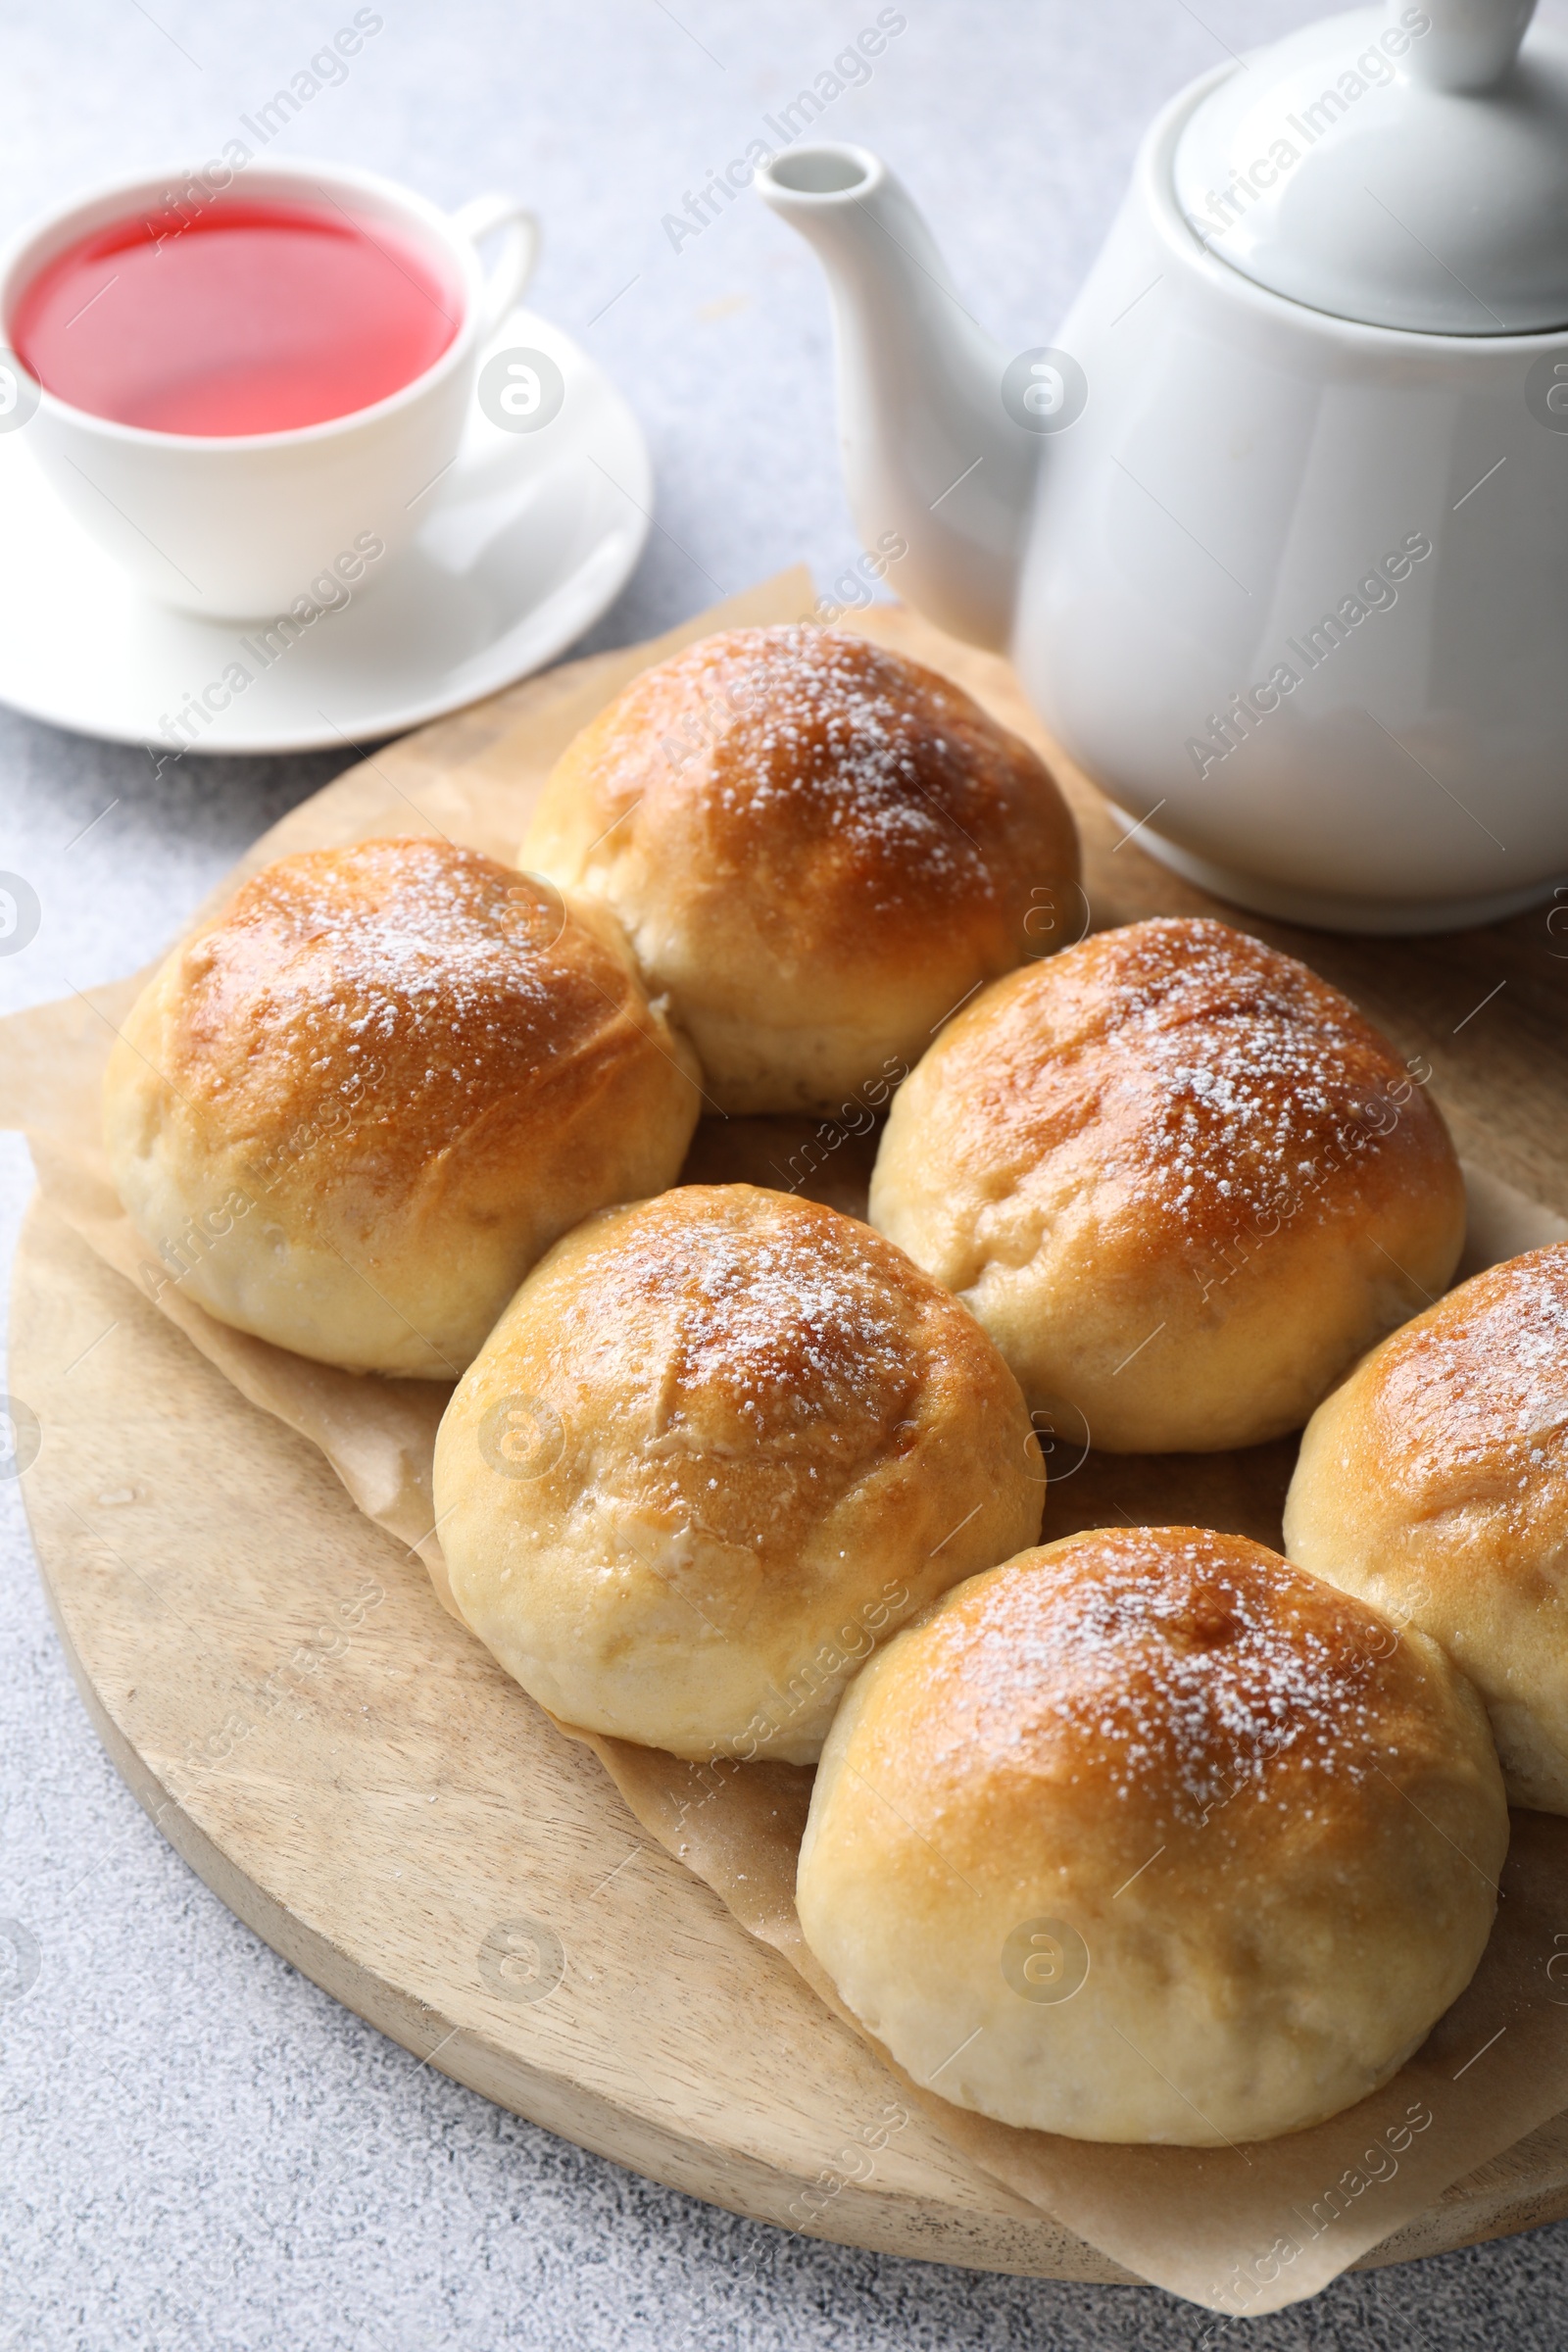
(175, 2099)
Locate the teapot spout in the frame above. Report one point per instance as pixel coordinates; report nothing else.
(931, 457)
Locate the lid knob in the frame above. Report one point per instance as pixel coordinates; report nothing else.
(1472, 45)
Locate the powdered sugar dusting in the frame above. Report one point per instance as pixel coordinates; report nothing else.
(903, 777)
(1479, 1391)
(1177, 1665)
(1250, 1079)
(415, 932)
(777, 1312)
(397, 989)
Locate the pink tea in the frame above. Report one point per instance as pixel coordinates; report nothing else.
(253, 317)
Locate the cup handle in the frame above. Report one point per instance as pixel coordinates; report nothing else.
(519, 251)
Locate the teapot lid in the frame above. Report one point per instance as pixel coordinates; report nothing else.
(1406, 166)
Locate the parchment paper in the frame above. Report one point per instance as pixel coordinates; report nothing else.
(1240, 2230)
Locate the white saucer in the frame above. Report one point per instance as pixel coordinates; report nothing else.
(529, 538)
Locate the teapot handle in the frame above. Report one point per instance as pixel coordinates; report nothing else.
(1471, 44)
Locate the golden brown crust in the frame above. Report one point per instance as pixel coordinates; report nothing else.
(1249, 1831)
(1161, 1676)
(1435, 1484)
(769, 1422)
(404, 1056)
(1173, 1139)
(367, 1017)
(1468, 1405)
(816, 848)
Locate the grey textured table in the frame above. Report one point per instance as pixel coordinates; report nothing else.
(173, 2093)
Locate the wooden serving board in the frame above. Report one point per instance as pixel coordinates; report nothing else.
(353, 1776)
(277, 1683)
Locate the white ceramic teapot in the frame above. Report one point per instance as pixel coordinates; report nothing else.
(1277, 533)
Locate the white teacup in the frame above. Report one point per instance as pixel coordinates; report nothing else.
(238, 526)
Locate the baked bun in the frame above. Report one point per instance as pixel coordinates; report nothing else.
(716, 1446)
(1434, 1484)
(1178, 1178)
(816, 848)
(1148, 1836)
(351, 1111)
